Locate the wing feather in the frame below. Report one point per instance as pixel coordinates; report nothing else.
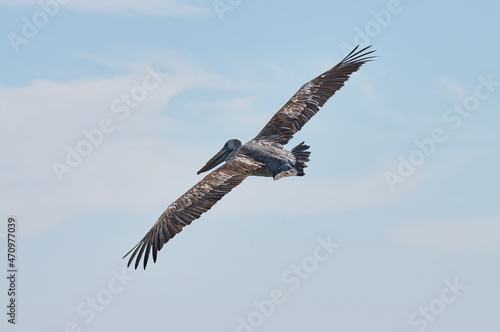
(311, 96)
(190, 206)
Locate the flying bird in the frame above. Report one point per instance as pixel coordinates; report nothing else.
(262, 156)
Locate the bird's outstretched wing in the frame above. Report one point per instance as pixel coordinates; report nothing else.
(191, 205)
(311, 96)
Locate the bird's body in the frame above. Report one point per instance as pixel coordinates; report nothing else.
(276, 161)
(262, 156)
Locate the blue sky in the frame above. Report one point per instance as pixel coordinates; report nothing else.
(395, 226)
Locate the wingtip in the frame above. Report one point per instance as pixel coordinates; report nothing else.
(360, 55)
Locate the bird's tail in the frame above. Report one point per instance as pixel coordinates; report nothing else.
(301, 156)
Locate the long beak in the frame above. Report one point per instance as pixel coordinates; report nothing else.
(216, 160)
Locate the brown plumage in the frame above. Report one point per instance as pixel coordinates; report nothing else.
(262, 156)
(191, 205)
(306, 102)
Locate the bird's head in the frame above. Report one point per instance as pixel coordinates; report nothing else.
(223, 155)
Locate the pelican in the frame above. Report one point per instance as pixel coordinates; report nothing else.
(262, 156)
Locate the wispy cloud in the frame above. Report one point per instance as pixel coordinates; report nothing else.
(129, 7)
(449, 87)
(43, 118)
(311, 197)
(453, 235)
